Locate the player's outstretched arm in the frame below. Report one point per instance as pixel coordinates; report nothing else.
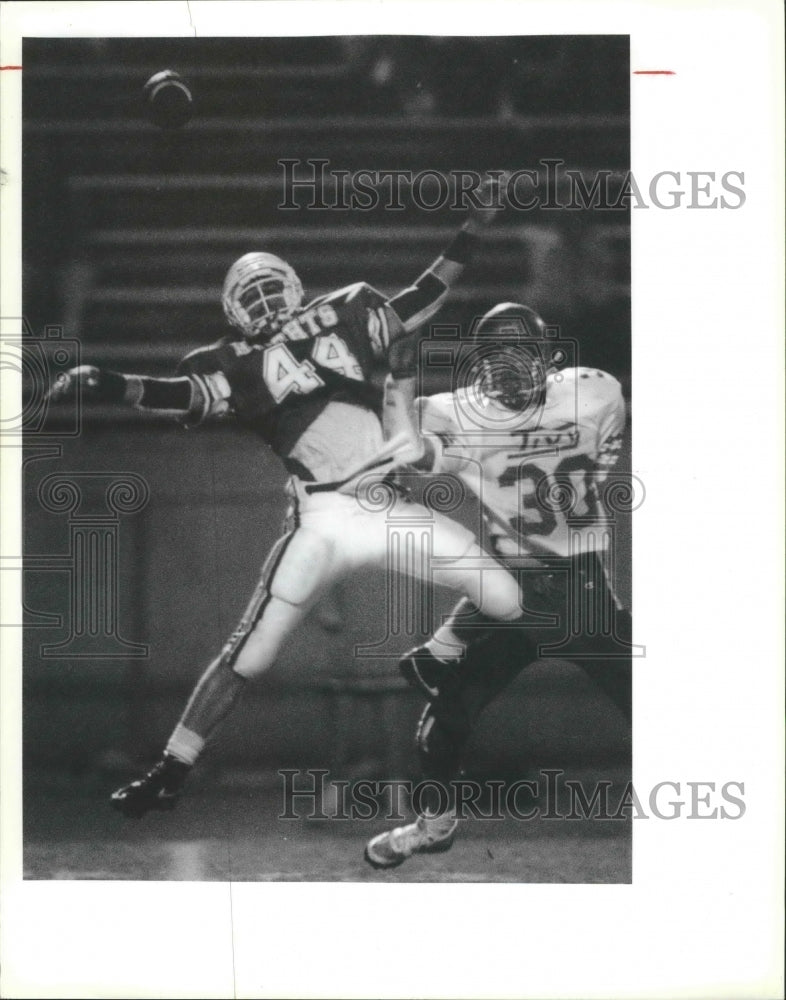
(183, 398)
(417, 304)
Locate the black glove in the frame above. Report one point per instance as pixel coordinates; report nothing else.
(92, 383)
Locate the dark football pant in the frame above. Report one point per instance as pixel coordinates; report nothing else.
(571, 613)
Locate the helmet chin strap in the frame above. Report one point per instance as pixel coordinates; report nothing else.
(266, 327)
(270, 323)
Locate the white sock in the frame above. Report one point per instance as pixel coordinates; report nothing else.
(185, 744)
(445, 645)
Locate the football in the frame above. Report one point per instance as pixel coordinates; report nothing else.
(168, 99)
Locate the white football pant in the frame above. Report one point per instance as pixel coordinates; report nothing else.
(335, 534)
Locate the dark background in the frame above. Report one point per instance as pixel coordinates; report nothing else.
(128, 232)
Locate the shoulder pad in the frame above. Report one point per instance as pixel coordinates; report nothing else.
(437, 411)
(589, 389)
(203, 359)
(599, 382)
(360, 291)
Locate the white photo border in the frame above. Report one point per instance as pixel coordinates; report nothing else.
(703, 916)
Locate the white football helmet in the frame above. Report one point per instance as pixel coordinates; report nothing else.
(261, 291)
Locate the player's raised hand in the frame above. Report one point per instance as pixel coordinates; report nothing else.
(86, 379)
(488, 201)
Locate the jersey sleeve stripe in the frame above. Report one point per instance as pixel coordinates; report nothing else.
(200, 401)
(384, 328)
(210, 397)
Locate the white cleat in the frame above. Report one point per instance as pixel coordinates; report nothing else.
(427, 835)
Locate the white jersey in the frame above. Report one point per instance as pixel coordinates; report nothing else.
(537, 474)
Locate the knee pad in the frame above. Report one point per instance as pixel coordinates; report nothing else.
(297, 571)
(500, 596)
(495, 593)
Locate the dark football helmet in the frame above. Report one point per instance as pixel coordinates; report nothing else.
(511, 369)
(261, 292)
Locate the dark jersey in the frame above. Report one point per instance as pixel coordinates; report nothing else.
(307, 392)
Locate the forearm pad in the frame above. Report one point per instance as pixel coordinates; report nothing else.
(161, 395)
(462, 247)
(104, 386)
(418, 303)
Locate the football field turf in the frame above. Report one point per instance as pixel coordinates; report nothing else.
(219, 835)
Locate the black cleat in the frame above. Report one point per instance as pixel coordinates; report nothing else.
(159, 789)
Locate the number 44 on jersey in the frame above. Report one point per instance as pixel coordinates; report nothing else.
(284, 374)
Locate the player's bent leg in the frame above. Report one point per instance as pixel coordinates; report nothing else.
(493, 591)
(440, 751)
(463, 565)
(464, 629)
(260, 650)
(442, 735)
(299, 577)
(251, 649)
(492, 655)
(461, 693)
(492, 603)
(428, 667)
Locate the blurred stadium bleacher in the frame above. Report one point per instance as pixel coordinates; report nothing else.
(129, 229)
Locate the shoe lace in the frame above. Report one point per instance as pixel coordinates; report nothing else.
(433, 828)
(166, 776)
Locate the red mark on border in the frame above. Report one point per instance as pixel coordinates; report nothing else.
(654, 72)
(10, 67)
